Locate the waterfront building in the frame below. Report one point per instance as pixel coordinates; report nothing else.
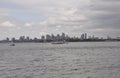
(48, 37)
(82, 37)
(85, 36)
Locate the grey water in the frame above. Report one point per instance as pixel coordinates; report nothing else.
(73, 60)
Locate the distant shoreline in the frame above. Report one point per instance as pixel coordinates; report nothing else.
(67, 41)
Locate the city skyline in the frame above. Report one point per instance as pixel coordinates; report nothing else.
(60, 37)
(81, 36)
(41, 17)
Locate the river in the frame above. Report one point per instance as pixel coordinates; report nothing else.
(72, 60)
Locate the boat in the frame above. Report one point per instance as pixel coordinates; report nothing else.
(12, 44)
(59, 42)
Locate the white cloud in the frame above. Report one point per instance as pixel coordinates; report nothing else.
(7, 24)
(73, 16)
(28, 24)
(65, 17)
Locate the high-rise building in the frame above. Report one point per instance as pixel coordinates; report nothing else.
(27, 38)
(58, 37)
(13, 39)
(48, 37)
(82, 37)
(85, 36)
(22, 38)
(63, 36)
(42, 37)
(52, 37)
(7, 39)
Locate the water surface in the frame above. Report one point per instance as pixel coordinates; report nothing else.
(73, 60)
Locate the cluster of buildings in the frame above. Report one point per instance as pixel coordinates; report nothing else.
(46, 38)
(58, 37)
(53, 37)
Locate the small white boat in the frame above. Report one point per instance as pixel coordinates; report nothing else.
(59, 42)
(12, 44)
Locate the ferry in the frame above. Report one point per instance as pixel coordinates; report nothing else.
(59, 42)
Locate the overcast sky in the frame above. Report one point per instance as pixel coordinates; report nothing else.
(38, 17)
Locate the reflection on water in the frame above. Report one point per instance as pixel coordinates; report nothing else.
(73, 60)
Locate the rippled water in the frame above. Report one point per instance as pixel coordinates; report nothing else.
(73, 60)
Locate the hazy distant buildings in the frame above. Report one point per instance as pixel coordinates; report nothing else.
(59, 37)
(13, 39)
(63, 37)
(7, 39)
(27, 38)
(42, 37)
(48, 37)
(108, 37)
(118, 38)
(22, 38)
(84, 36)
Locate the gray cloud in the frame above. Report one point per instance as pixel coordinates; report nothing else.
(70, 16)
(105, 14)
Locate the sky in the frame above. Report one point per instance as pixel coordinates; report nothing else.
(40, 17)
